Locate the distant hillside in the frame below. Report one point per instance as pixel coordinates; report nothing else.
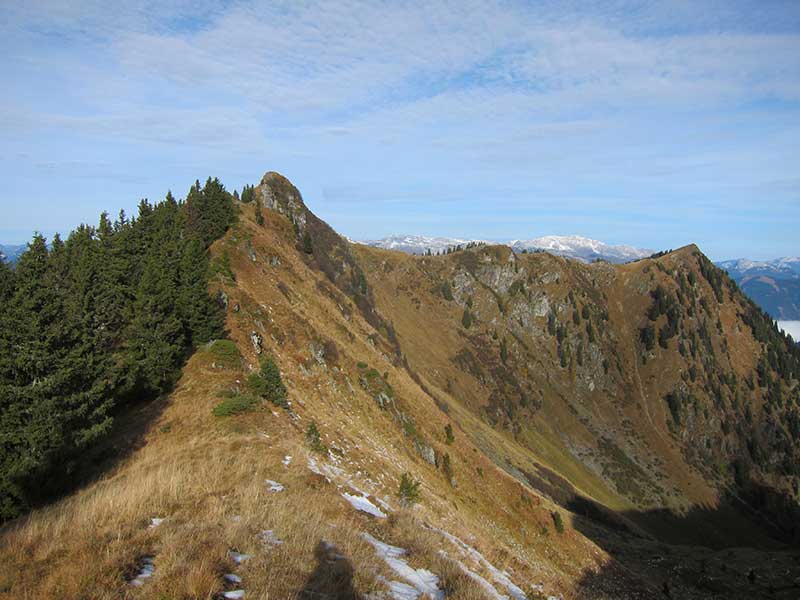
(571, 246)
(774, 285)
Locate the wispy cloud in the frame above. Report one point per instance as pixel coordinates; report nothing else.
(416, 104)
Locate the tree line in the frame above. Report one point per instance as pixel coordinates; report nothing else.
(93, 323)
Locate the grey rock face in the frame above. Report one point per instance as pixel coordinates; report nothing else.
(498, 277)
(257, 342)
(317, 353)
(463, 286)
(250, 251)
(222, 298)
(427, 453)
(292, 205)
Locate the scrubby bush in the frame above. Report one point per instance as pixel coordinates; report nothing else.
(408, 491)
(557, 522)
(235, 404)
(308, 246)
(647, 335)
(225, 353)
(267, 383)
(221, 267)
(449, 438)
(314, 438)
(447, 292)
(447, 468)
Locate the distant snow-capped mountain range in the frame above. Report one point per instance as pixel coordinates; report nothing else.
(571, 246)
(10, 253)
(419, 244)
(773, 284)
(784, 268)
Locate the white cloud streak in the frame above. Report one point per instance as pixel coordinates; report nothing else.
(560, 98)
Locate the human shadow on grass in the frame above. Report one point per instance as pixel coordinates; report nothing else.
(332, 578)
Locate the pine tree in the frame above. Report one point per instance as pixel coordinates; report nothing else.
(97, 320)
(6, 282)
(156, 338)
(203, 320)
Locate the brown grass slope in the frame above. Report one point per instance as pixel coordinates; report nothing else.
(376, 353)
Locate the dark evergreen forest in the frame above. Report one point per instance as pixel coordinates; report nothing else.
(94, 323)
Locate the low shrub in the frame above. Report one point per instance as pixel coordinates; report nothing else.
(557, 522)
(234, 405)
(268, 384)
(225, 353)
(314, 438)
(408, 491)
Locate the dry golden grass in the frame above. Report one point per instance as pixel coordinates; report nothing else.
(205, 475)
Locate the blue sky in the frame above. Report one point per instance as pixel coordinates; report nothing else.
(654, 124)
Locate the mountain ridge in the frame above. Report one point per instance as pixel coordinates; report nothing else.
(575, 430)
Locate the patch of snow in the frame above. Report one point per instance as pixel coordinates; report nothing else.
(402, 591)
(237, 557)
(274, 486)
(155, 522)
(329, 472)
(500, 577)
(232, 578)
(233, 595)
(422, 580)
(481, 581)
(148, 568)
(268, 538)
(286, 460)
(364, 505)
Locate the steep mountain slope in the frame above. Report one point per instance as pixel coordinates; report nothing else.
(562, 445)
(774, 285)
